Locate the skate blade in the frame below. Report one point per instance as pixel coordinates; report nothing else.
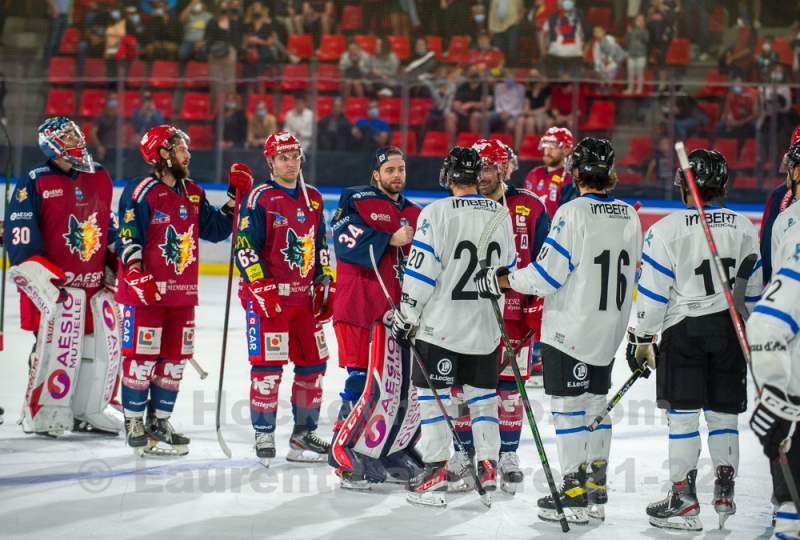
(598, 512)
(87, 427)
(509, 487)
(265, 462)
(575, 516)
(299, 456)
(461, 485)
(688, 523)
(361, 485)
(174, 450)
(486, 499)
(430, 499)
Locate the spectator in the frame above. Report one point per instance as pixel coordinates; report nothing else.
(108, 127)
(149, 6)
(133, 25)
(775, 99)
(195, 19)
(405, 18)
(354, 68)
(564, 39)
(442, 90)
(703, 8)
(688, 116)
(536, 111)
(288, 13)
(509, 100)
(608, 56)
(372, 132)
(455, 17)
(740, 112)
(260, 126)
(768, 55)
(505, 18)
(57, 10)
(638, 39)
(300, 122)
(115, 31)
(421, 61)
(738, 57)
(317, 18)
(384, 68)
(234, 132)
(661, 15)
(146, 117)
(93, 34)
(222, 36)
(163, 35)
(659, 163)
(334, 129)
(468, 104)
(484, 56)
(561, 111)
(259, 42)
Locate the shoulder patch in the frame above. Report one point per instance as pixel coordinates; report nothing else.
(255, 193)
(143, 187)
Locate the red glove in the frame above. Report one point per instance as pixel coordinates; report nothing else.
(264, 297)
(143, 284)
(322, 306)
(243, 296)
(240, 178)
(532, 315)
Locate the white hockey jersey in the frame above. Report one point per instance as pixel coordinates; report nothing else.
(786, 222)
(679, 279)
(773, 326)
(586, 273)
(439, 294)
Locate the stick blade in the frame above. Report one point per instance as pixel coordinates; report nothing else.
(223, 445)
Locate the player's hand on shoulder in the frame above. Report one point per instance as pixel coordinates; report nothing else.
(143, 284)
(641, 352)
(264, 297)
(773, 418)
(323, 295)
(486, 280)
(402, 330)
(240, 178)
(402, 236)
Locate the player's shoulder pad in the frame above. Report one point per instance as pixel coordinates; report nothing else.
(140, 187)
(409, 202)
(359, 192)
(255, 194)
(529, 194)
(41, 169)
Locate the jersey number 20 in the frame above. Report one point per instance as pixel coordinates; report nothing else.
(604, 260)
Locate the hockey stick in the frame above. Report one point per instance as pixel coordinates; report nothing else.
(740, 285)
(622, 391)
(483, 246)
(225, 325)
(485, 499)
(200, 371)
(7, 143)
(737, 320)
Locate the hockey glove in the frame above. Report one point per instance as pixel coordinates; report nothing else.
(532, 315)
(773, 419)
(264, 297)
(143, 284)
(240, 178)
(642, 352)
(42, 281)
(323, 294)
(110, 271)
(402, 330)
(486, 281)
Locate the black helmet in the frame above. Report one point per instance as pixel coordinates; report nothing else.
(709, 167)
(791, 159)
(462, 164)
(593, 156)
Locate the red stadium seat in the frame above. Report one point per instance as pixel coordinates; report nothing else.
(718, 22)
(640, 149)
(60, 102)
(411, 142)
(164, 74)
(295, 77)
(418, 109)
(196, 106)
(287, 104)
(328, 77)
(601, 116)
(728, 148)
(467, 139)
(435, 45)
(92, 103)
(678, 52)
(366, 42)
(629, 178)
(435, 144)
(69, 44)
(163, 102)
(331, 47)
(202, 137)
(747, 156)
(86, 128)
(62, 70)
(400, 46)
(196, 75)
(529, 149)
(136, 74)
(355, 108)
(300, 45)
(505, 138)
(255, 98)
(549, 7)
(710, 89)
(95, 72)
(745, 182)
(600, 16)
(389, 109)
(712, 110)
(323, 106)
(130, 102)
(784, 51)
(693, 143)
(352, 19)
(458, 48)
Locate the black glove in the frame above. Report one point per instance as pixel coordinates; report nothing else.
(487, 284)
(402, 330)
(642, 352)
(773, 418)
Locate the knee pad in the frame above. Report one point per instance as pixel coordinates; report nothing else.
(354, 384)
(485, 424)
(307, 394)
(684, 442)
(600, 438)
(264, 384)
(723, 439)
(569, 417)
(436, 435)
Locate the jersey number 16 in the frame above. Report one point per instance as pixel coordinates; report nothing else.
(604, 260)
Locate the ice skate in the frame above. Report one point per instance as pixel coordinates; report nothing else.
(459, 475)
(723, 493)
(787, 524)
(2, 411)
(304, 440)
(510, 473)
(431, 489)
(573, 499)
(103, 423)
(487, 475)
(681, 502)
(352, 482)
(135, 435)
(159, 430)
(596, 489)
(265, 447)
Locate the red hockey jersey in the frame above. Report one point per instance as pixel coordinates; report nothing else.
(554, 187)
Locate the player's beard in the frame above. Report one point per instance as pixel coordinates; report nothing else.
(552, 162)
(492, 188)
(178, 171)
(389, 189)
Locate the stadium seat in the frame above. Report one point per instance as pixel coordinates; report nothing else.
(255, 98)
(130, 102)
(60, 102)
(164, 74)
(300, 45)
(467, 139)
(331, 47)
(86, 128)
(629, 178)
(745, 182)
(136, 74)
(202, 136)
(92, 103)
(196, 106)
(400, 46)
(366, 42)
(95, 72)
(639, 149)
(601, 116)
(784, 51)
(62, 70)
(712, 110)
(435, 45)
(164, 103)
(544, 12)
(390, 109)
(69, 43)
(434, 144)
(600, 16)
(352, 19)
(196, 75)
(505, 138)
(728, 148)
(270, 78)
(458, 48)
(411, 141)
(323, 106)
(418, 109)
(747, 156)
(718, 22)
(693, 143)
(529, 149)
(678, 52)
(710, 89)
(287, 104)
(295, 77)
(355, 108)
(328, 77)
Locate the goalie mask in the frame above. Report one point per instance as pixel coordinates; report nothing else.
(60, 137)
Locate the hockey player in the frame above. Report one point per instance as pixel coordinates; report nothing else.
(585, 271)
(164, 215)
(551, 181)
(282, 255)
(60, 229)
(700, 364)
(789, 217)
(380, 217)
(437, 283)
(530, 223)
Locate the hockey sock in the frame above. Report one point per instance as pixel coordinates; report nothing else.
(462, 423)
(600, 438)
(510, 415)
(264, 383)
(723, 439)
(571, 433)
(307, 395)
(436, 435)
(485, 424)
(354, 384)
(136, 375)
(684, 442)
(164, 388)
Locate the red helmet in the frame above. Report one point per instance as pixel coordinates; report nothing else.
(281, 143)
(157, 138)
(560, 137)
(795, 136)
(492, 151)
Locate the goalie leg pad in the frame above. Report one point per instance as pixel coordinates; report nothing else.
(307, 395)
(264, 384)
(510, 413)
(600, 438)
(569, 413)
(35, 277)
(462, 422)
(165, 385)
(723, 439)
(136, 376)
(485, 424)
(684, 442)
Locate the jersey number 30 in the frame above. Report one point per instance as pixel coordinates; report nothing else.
(20, 235)
(604, 260)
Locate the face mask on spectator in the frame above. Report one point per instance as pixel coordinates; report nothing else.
(767, 47)
(510, 82)
(777, 75)
(568, 5)
(737, 89)
(135, 18)
(198, 8)
(261, 114)
(230, 105)
(112, 104)
(158, 12)
(372, 113)
(480, 18)
(740, 22)
(115, 14)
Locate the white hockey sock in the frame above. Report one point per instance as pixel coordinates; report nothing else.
(485, 425)
(787, 521)
(571, 434)
(723, 439)
(436, 436)
(684, 442)
(600, 438)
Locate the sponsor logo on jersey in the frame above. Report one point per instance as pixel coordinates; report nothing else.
(299, 251)
(160, 217)
(243, 241)
(380, 217)
(280, 221)
(580, 371)
(405, 299)
(714, 219)
(796, 252)
(789, 224)
(83, 237)
(129, 216)
(284, 289)
(253, 333)
(22, 194)
(21, 215)
(768, 346)
(187, 343)
(400, 267)
(127, 326)
(481, 204)
(444, 366)
(540, 185)
(174, 370)
(315, 205)
(78, 193)
(649, 237)
(178, 249)
(301, 217)
(557, 227)
(182, 212)
(523, 241)
(338, 213)
(266, 384)
(322, 345)
(148, 341)
(244, 223)
(254, 272)
(610, 209)
(140, 369)
(520, 221)
(52, 193)
(109, 315)
(194, 199)
(424, 227)
(560, 337)
(86, 281)
(524, 210)
(58, 384)
(276, 346)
